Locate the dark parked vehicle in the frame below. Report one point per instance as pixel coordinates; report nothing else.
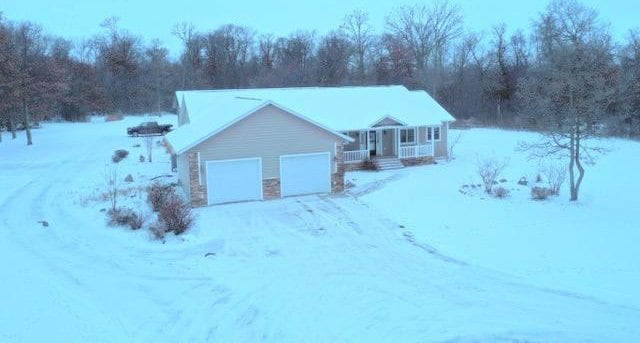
(149, 128)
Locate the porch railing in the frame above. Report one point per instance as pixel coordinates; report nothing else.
(413, 151)
(356, 156)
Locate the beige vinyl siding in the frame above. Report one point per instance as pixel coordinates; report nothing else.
(440, 148)
(355, 145)
(268, 133)
(422, 135)
(183, 173)
(386, 122)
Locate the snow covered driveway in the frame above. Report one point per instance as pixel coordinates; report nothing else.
(299, 269)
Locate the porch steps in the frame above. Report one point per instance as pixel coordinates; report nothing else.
(387, 163)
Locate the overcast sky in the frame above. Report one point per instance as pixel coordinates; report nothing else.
(150, 19)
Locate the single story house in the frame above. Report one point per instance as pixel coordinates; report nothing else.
(254, 144)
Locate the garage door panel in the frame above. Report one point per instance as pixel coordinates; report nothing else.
(305, 174)
(234, 180)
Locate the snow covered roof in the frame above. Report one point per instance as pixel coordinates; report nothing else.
(333, 108)
(193, 133)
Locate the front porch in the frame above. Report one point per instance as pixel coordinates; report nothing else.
(402, 142)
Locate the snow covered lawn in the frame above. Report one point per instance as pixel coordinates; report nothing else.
(403, 257)
(589, 247)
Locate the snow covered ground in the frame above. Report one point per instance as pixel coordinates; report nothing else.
(402, 256)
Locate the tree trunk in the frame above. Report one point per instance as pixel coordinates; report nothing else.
(12, 126)
(361, 72)
(572, 178)
(579, 165)
(25, 119)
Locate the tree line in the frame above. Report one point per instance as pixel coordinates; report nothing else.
(484, 77)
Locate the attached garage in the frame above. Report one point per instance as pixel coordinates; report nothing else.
(234, 180)
(270, 152)
(305, 174)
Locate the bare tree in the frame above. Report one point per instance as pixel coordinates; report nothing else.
(266, 51)
(157, 56)
(500, 87)
(426, 29)
(28, 36)
(452, 140)
(334, 52)
(359, 32)
(630, 84)
(192, 53)
(111, 181)
(572, 89)
(489, 170)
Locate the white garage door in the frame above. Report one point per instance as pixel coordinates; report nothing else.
(305, 174)
(234, 180)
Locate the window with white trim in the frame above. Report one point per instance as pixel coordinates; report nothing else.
(433, 133)
(407, 136)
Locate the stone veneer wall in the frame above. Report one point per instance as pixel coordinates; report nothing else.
(198, 191)
(271, 188)
(337, 178)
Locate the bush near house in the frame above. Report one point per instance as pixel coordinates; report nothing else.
(123, 216)
(157, 194)
(174, 214)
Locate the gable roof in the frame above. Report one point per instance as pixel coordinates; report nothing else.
(340, 108)
(331, 108)
(189, 135)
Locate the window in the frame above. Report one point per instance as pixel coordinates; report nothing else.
(433, 133)
(407, 135)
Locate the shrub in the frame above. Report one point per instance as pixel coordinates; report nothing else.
(119, 155)
(368, 165)
(157, 195)
(555, 177)
(541, 193)
(501, 192)
(489, 170)
(176, 214)
(158, 231)
(128, 178)
(123, 216)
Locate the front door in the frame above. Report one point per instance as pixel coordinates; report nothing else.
(372, 143)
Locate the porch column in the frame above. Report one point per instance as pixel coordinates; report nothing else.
(368, 140)
(433, 143)
(397, 145)
(448, 146)
(416, 149)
